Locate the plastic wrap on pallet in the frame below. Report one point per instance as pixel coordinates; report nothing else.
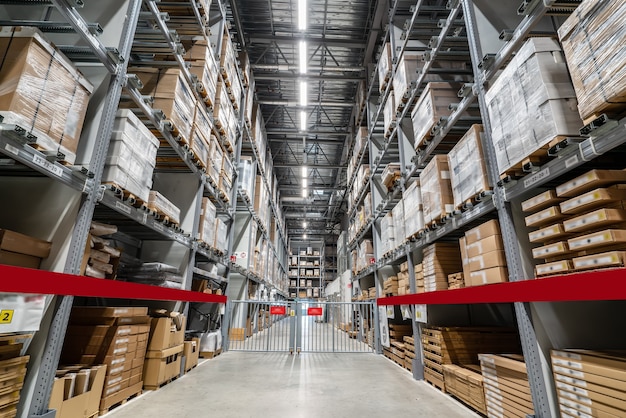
(132, 178)
(130, 130)
(367, 206)
(593, 38)
(468, 173)
(160, 203)
(217, 154)
(398, 221)
(531, 102)
(436, 189)
(384, 65)
(432, 105)
(413, 211)
(225, 114)
(40, 84)
(206, 230)
(171, 94)
(221, 236)
(387, 233)
(389, 113)
(246, 176)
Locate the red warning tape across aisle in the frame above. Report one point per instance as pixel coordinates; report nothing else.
(595, 285)
(24, 280)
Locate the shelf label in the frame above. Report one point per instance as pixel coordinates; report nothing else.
(406, 312)
(537, 177)
(47, 165)
(278, 310)
(144, 218)
(573, 160)
(421, 314)
(6, 316)
(440, 232)
(124, 208)
(158, 227)
(314, 311)
(13, 150)
(390, 312)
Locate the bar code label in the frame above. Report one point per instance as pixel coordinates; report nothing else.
(159, 227)
(123, 207)
(13, 150)
(537, 177)
(47, 165)
(573, 160)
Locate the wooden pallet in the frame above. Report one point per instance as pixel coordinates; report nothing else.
(210, 354)
(159, 386)
(114, 401)
(435, 379)
(474, 200)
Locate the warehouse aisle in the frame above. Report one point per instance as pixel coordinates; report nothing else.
(280, 385)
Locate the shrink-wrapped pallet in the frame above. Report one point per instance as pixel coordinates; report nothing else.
(531, 103)
(433, 104)
(413, 211)
(202, 64)
(468, 172)
(389, 114)
(42, 90)
(161, 205)
(436, 190)
(384, 66)
(593, 38)
(387, 233)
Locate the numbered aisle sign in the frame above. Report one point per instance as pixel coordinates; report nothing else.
(21, 313)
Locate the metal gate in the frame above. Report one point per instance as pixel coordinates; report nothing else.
(323, 327)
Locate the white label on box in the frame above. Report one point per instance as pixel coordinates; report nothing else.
(47, 165)
(575, 405)
(117, 361)
(563, 188)
(565, 386)
(597, 261)
(569, 372)
(589, 241)
(556, 248)
(570, 204)
(122, 340)
(596, 217)
(543, 233)
(576, 398)
(120, 350)
(574, 412)
(571, 381)
(124, 208)
(550, 268)
(113, 389)
(115, 380)
(573, 160)
(488, 360)
(567, 363)
(13, 150)
(537, 177)
(158, 227)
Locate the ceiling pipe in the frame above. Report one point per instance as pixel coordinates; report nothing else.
(289, 67)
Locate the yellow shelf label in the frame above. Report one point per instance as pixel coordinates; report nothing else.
(6, 316)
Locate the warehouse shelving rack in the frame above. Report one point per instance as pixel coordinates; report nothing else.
(487, 58)
(317, 281)
(94, 201)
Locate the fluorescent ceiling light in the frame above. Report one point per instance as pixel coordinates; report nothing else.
(303, 94)
(304, 224)
(302, 14)
(303, 57)
(305, 193)
(305, 183)
(305, 172)
(303, 120)
(304, 236)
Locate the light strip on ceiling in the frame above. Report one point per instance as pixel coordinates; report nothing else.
(303, 57)
(305, 193)
(302, 15)
(303, 120)
(304, 99)
(305, 183)
(305, 172)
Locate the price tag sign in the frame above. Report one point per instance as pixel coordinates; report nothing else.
(406, 311)
(421, 314)
(292, 313)
(390, 312)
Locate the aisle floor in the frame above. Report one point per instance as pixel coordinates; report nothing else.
(238, 384)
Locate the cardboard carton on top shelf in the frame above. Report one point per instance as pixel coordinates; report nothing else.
(541, 201)
(384, 65)
(40, 84)
(482, 231)
(432, 105)
(485, 245)
(166, 332)
(468, 172)
(591, 180)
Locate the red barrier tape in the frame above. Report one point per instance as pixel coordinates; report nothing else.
(24, 280)
(595, 285)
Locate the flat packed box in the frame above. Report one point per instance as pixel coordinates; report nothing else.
(531, 103)
(23, 244)
(545, 216)
(490, 275)
(41, 85)
(597, 218)
(432, 105)
(166, 333)
(541, 201)
(591, 180)
(487, 260)
(594, 199)
(485, 245)
(162, 366)
(85, 401)
(436, 189)
(161, 205)
(482, 231)
(384, 65)
(592, 38)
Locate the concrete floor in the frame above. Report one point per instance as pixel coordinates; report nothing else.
(239, 384)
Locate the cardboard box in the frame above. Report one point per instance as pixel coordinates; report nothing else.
(544, 217)
(541, 201)
(591, 180)
(165, 334)
(548, 234)
(83, 405)
(115, 397)
(436, 189)
(555, 267)
(108, 312)
(482, 231)
(597, 239)
(191, 352)
(432, 105)
(603, 260)
(487, 260)
(19, 260)
(491, 275)
(23, 244)
(484, 246)
(594, 199)
(551, 250)
(595, 219)
(162, 366)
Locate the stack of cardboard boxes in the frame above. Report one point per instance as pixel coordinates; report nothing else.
(436, 190)
(22, 250)
(507, 392)
(404, 287)
(419, 278)
(42, 91)
(590, 383)
(409, 352)
(482, 250)
(440, 260)
(581, 224)
(413, 211)
(390, 286)
(466, 383)
(12, 375)
(101, 259)
(432, 106)
(396, 349)
(206, 230)
(77, 390)
(115, 337)
(165, 350)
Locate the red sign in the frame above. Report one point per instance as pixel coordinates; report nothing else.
(233, 258)
(277, 310)
(372, 261)
(314, 311)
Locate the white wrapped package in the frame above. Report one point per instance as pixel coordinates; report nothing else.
(436, 189)
(413, 211)
(387, 233)
(468, 173)
(160, 204)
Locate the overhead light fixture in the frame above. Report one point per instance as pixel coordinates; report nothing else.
(305, 172)
(304, 236)
(305, 193)
(305, 183)
(304, 97)
(302, 14)
(304, 224)
(303, 120)
(303, 57)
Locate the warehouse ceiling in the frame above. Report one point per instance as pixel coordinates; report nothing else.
(339, 40)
